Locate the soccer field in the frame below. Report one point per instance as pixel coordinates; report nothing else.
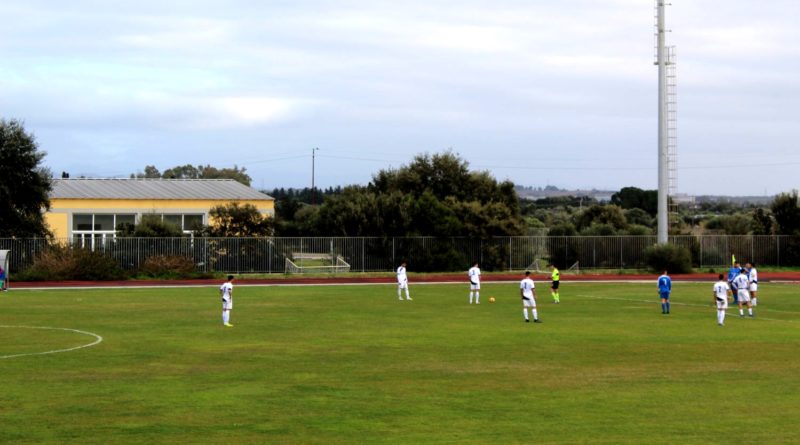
(352, 364)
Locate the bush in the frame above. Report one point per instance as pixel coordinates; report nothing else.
(674, 259)
(62, 263)
(164, 266)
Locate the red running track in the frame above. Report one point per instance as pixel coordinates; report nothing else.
(427, 278)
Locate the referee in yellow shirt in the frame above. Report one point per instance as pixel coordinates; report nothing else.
(554, 288)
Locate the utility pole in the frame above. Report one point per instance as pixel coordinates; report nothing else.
(313, 189)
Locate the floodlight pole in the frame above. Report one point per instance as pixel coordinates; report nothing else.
(663, 161)
(313, 189)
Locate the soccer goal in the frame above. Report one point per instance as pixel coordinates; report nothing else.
(316, 263)
(5, 256)
(535, 266)
(576, 268)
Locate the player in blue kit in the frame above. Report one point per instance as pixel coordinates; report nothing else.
(732, 274)
(664, 288)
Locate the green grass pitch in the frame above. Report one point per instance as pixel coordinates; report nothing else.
(352, 364)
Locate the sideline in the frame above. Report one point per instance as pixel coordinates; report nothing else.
(98, 340)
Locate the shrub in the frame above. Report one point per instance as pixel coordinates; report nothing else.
(163, 266)
(674, 259)
(60, 263)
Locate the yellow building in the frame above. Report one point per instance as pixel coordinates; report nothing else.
(88, 210)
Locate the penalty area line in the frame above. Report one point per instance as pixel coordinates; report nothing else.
(98, 340)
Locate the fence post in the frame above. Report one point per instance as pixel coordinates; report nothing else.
(700, 239)
(509, 254)
(363, 253)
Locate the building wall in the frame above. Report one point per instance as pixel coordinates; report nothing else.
(59, 217)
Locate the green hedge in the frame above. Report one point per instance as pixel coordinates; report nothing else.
(674, 259)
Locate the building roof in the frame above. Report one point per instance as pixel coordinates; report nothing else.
(161, 189)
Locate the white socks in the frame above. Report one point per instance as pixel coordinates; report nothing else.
(721, 317)
(755, 301)
(533, 311)
(226, 315)
(477, 297)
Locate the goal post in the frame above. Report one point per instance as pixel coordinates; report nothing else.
(5, 256)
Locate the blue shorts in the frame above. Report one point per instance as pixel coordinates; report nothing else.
(664, 295)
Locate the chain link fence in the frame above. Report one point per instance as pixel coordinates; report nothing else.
(365, 254)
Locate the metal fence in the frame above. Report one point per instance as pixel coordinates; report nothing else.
(365, 254)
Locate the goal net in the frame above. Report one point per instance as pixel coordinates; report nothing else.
(535, 266)
(576, 268)
(316, 263)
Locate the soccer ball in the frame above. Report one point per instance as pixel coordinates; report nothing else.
(491, 299)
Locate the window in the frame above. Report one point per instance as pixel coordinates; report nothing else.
(191, 222)
(93, 230)
(187, 222)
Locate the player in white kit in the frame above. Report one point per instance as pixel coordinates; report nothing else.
(226, 292)
(527, 290)
(721, 293)
(475, 283)
(742, 284)
(402, 281)
(752, 276)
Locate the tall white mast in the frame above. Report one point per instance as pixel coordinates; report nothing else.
(662, 61)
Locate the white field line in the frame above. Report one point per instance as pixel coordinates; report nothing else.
(97, 340)
(687, 304)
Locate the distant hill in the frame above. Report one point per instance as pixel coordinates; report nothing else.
(534, 193)
(550, 191)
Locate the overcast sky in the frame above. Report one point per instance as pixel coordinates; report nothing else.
(539, 92)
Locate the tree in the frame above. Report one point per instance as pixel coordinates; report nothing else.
(235, 220)
(25, 184)
(606, 214)
(762, 223)
(787, 213)
(150, 172)
(189, 171)
(640, 217)
(433, 196)
(636, 198)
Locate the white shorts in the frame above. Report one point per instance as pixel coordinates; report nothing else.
(753, 287)
(743, 295)
(531, 302)
(473, 286)
(722, 304)
(402, 285)
(227, 304)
